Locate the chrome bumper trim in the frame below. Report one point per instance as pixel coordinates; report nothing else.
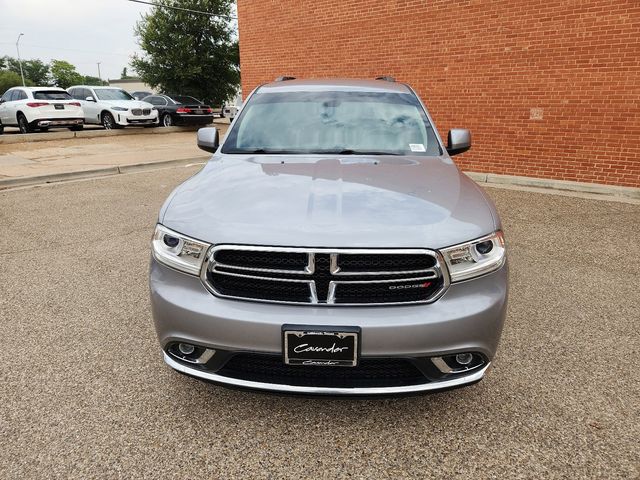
(274, 387)
(53, 123)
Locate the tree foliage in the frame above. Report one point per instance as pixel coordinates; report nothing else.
(189, 53)
(10, 79)
(35, 71)
(64, 74)
(89, 80)
(38, 73)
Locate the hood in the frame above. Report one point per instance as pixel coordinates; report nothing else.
(127, 103)
(378, 201)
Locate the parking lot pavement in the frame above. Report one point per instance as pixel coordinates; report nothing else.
(85, 393)
(83, 154)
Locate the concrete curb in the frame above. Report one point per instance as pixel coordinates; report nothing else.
(132, 131)
(56, 177)
(67, 135)
(35, 137)
(565, 185)
(97, 172)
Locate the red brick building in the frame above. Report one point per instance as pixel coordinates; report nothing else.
(548, 88)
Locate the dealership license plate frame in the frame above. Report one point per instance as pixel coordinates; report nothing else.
(321, 336)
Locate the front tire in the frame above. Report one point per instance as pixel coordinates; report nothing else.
(1, 128)
(108, 122)
(23, 125)
(167, 121)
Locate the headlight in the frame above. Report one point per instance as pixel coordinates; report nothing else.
(474, 258)
(119, 109)
(178, 251)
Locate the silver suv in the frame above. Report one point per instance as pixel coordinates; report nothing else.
(330, 246)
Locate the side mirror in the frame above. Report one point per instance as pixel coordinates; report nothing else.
(90, 99)
(458, 141)
(208, 139)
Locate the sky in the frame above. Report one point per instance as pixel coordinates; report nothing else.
(82, 32)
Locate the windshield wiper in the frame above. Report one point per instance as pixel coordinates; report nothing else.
(348, 151)
(259, 151)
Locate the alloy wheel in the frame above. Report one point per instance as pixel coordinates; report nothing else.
(107, 121)
(22, 124)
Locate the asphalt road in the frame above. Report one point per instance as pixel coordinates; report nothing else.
(84, 393)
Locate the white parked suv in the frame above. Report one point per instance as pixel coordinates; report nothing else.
(113, 107)
(29, 108)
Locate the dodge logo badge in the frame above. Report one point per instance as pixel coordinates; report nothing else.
(414, 285)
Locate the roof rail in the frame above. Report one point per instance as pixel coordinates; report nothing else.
(284, 78)
(386, 78)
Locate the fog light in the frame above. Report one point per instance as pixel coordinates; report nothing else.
(186, 348)
(464, 358)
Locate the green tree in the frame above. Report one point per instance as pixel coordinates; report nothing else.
(64, 74)
(89, 80)
(124, 74)
(10, 79)
(34, 70)
(189, 53)
(37, 71)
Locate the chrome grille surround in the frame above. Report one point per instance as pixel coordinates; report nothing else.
(437, 272)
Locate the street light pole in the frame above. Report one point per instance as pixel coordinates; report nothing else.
(99, 76)
(20, 61)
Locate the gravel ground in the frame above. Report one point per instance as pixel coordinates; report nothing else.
(85, 393)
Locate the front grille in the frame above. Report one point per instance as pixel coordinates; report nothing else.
(136, 111)
(324, 276)
(402, 291)
(261, 289)
(385, 262)
(273, 260)
(371, 372)
(146, 111)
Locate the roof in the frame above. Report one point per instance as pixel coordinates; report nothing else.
(39, 88)
(335, 84)
(95, 86)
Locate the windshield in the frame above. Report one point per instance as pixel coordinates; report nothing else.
(112, 94)
(184, 100)
(51, 95)
(371, 123)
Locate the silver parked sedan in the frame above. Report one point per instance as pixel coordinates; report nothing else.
(330, 246)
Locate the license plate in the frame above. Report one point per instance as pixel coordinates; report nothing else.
(58, 106)
(321, 346)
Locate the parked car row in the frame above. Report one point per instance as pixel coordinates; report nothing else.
(29, 108)
(41, 108)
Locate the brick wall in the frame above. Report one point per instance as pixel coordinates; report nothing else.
(548, 88)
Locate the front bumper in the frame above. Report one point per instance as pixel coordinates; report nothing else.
(471, 378)
(468, 318)
(126, 118)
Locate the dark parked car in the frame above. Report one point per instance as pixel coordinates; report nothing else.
(180, 110)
